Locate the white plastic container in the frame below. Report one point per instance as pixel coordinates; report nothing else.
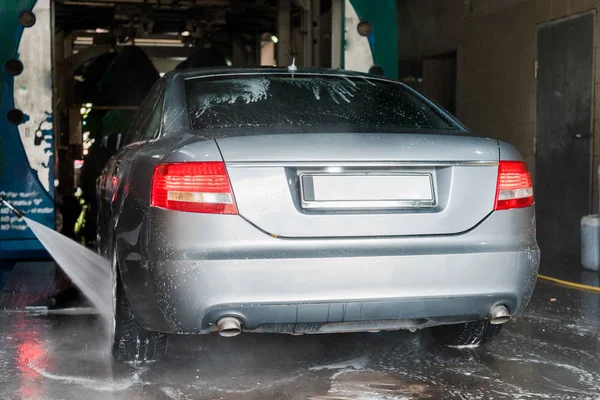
(590, 242)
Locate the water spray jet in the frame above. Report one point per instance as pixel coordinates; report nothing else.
(89, 271)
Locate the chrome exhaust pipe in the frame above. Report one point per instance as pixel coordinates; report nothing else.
(229, 326)
(498, 315)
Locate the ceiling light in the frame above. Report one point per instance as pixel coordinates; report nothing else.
(274, 39)
(149, 42)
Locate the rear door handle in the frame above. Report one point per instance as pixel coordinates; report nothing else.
(580, 136)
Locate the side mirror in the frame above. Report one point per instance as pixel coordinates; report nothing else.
(112, 142)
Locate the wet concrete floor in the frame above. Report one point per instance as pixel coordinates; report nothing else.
(551, 352)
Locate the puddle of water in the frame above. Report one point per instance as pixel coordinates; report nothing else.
(88, 270)
(101, 385)
(355, 363)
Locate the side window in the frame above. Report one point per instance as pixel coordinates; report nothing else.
(144, 112)
(152, 127)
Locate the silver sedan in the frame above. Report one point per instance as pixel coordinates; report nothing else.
(310, 201)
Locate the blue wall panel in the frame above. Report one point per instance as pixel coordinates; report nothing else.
(26, 149)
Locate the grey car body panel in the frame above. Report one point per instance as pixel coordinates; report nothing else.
(176, 120)
(346, 147)
(190, 265)
(268, 197)
(181, 271)
(508, 152)
(464, 177)
(357, 316)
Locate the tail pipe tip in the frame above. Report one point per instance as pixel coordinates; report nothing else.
(499, 315)
(229, 326)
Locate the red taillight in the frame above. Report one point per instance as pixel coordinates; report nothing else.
(514, 189)
(201, 187)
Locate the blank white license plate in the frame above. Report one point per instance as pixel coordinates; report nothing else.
(399, 190)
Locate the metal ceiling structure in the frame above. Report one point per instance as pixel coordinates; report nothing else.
(172, 34)
(144, 18)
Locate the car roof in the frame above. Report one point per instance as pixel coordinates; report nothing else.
(229, 71)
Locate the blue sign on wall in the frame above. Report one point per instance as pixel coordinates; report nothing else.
(26, 134)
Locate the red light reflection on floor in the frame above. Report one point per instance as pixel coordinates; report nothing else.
(30, 352)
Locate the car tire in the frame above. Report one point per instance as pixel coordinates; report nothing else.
(468, 334)
(131, 342)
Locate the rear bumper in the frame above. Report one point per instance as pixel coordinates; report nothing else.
(195, 269)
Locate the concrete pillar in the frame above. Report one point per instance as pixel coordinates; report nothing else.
(68, 77)
(59, 84)
(250, 52)
(307, 35)
(237, 56)
(257, 50)
(337, 35)
(75, 134)
(283, 33)
(316, 32)
(267, 53)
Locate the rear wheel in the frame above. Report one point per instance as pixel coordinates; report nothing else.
(468, 334)
(131, 342)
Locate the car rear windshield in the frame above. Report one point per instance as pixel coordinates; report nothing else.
(308, 103)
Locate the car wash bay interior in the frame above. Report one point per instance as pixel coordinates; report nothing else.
(522, 71)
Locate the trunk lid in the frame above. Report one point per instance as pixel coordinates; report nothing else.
(362, 185)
